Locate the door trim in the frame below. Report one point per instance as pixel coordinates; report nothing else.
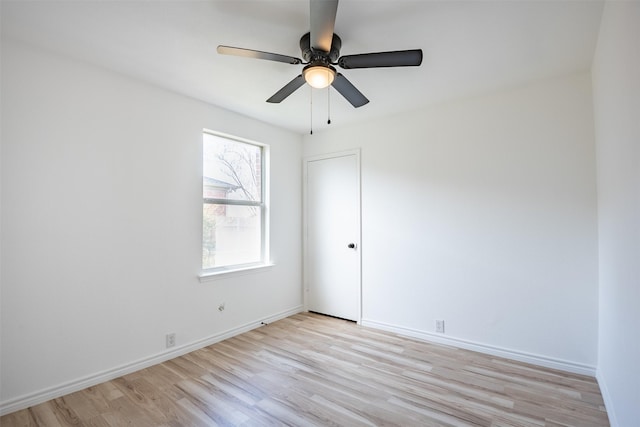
(305, 251)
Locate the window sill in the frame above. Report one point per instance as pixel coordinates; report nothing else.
(224, 274)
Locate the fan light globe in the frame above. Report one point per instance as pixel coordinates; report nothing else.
(319, 76)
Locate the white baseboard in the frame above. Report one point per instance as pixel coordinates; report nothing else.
(25, 401)
(548, 362)
(608, 403)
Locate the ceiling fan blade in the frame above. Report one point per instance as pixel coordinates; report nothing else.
(397, 58)
(323, 19)
(349, 91)
(287, 90)
(257, 54)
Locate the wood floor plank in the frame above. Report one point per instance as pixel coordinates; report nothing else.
(313, 370)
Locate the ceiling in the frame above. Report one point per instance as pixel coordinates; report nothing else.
(470, 48)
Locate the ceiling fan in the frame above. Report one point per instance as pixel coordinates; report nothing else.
(321, 51)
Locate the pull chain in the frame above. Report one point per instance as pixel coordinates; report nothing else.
(311, 110)
(329, 104)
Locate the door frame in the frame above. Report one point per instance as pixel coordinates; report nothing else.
(305, 251)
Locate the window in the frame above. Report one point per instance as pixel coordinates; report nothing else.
(233, 203)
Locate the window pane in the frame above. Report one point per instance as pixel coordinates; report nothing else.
(232, 169)
(231, 235)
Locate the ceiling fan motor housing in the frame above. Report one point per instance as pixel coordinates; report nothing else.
(314, 56)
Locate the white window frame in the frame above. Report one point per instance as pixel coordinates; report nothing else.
(207, 274)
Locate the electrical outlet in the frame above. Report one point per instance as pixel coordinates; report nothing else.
(440, 326)
(171, 340)
(221, 307)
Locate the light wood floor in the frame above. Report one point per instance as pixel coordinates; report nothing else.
(315, 370)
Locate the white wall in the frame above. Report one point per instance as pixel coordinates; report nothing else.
(101, 224)
(616, 91)
(482, 212)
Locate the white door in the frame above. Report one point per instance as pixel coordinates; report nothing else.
(332, 244)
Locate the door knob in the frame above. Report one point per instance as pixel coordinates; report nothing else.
(351, 245)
